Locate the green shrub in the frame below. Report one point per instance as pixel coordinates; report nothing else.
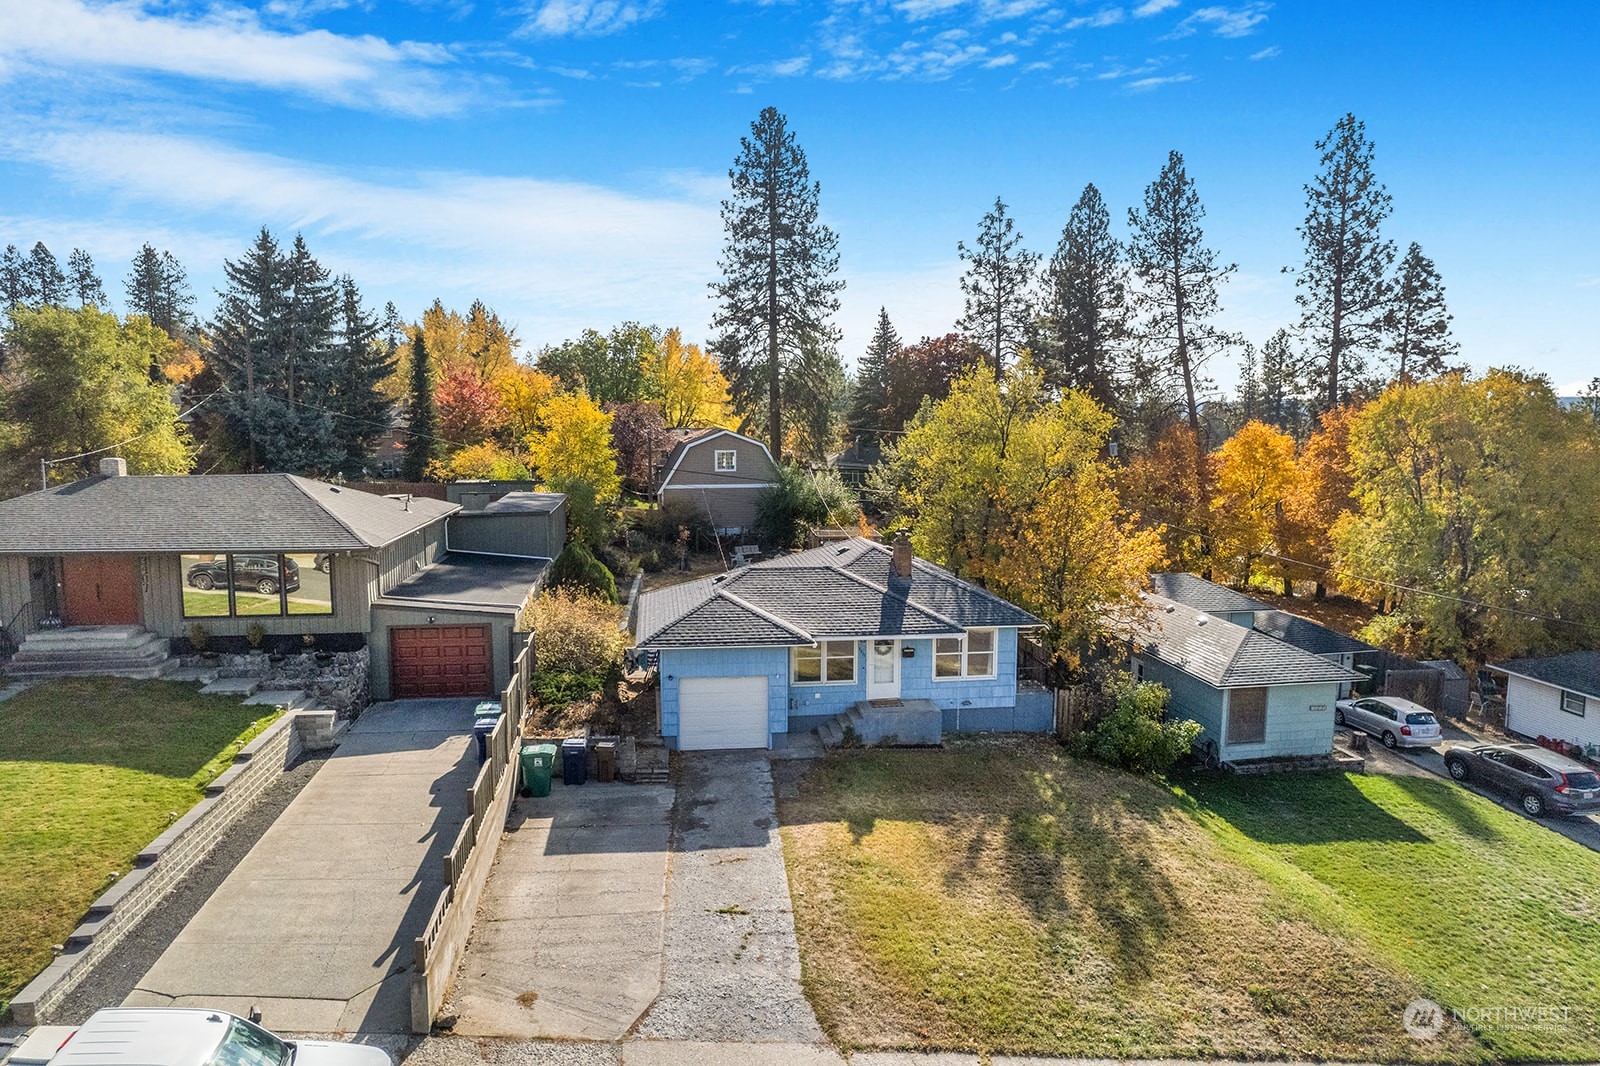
(575, 634)
(577, 569)
(800, 502)
(654, 561)
(661, 525)
(557, 688)
(1135, 734)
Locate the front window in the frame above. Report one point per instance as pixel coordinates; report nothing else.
(972, 655)
(256, 585)
(1573, 703)
(249, 1045)
(826, 662)
(727, 462)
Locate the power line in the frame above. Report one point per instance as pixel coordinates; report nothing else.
(46, 464)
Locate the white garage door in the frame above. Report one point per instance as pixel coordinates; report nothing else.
(722, 712)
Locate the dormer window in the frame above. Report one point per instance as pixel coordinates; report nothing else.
(727, 461)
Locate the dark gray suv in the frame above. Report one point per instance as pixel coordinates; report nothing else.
(1543, 781)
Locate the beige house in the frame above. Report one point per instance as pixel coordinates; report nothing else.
(720, 472)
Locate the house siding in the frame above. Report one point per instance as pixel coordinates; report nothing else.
(16, 592)
(724, 662)
(728, 508)
(1533, 709)
(698, 465)
(399, 560)
(1294, 725)
(1191, 698)
(510, 533)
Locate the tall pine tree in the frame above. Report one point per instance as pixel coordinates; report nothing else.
(1418, 326)
(84, 281)
(157, 287)
(363, 357)
(778, 291)
(871, 398)
(1086, 313)
(1281, 384)
(49, 283)
(422, 417)
(1343, 301)
(997, 287)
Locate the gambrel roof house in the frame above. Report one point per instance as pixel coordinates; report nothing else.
(287, 554)
(721, 472)
(774, 648)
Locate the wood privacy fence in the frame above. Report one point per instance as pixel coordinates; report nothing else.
(467, 863)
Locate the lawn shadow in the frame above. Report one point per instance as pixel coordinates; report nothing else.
(1451, 802)
(1299, 809)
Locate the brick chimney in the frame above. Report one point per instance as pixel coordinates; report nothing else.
(112, 467)
(902, 556)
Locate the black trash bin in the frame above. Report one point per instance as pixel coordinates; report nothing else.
(481, 729)
(574, 761)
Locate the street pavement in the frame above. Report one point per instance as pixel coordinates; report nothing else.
(315, 926)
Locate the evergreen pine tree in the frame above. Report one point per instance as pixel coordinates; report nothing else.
(996, 286)
(158, 288)
(49, 283)
(1343, 297)
(363, 358)
(83, 280)
(778, 291)
(248, 346)
(1249, 400)
(1282, 384)
(16, 283)
(1180, 277)
(309, 371)
(872, 382)
(422, 428)
(1419, 342)
(1086, 311)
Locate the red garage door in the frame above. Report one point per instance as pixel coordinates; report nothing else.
(440, 661)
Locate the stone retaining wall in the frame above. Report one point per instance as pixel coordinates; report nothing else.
(172, 855)
(340, 681)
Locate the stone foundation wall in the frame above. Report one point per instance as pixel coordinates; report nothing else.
(339, 682)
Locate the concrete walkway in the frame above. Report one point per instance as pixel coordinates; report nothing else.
(315, 926)
(732, 962)
(567, 941)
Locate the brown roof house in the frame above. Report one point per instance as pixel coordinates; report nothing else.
(721, 472)
(102, 575)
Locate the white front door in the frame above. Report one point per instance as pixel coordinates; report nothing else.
(883, 669)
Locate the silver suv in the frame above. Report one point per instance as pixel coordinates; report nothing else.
(1543, 781)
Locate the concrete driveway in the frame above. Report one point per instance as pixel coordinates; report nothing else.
(1584, 830)
(315, 926)
(567, 940)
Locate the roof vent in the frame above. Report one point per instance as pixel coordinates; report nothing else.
(1171, 607)
(1201, 620)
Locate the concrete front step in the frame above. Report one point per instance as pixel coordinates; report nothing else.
(44, 671)
(88, 638)
(232, 686)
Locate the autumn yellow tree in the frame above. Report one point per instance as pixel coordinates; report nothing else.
(1254, 474)
(1161, 485)
(477, 342)
(523, 393)
(480, 462)
(571, 452)
(1321, 496)
(688, 384)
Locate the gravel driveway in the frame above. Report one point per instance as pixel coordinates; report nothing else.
(732, 963)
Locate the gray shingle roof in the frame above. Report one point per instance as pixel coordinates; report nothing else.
(1224, 655)
(1191, 590)
(1307, 635)
(838, 590)
(492, 581)
(1576, 671)
(213, 512)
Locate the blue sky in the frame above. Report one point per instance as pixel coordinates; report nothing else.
(563, 159)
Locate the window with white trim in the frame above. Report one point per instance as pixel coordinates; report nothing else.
(972, 655)
(727, 462)
(827, 662)
(1573, 703)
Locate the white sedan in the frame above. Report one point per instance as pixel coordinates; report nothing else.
(1399, 723)
(181, 1036)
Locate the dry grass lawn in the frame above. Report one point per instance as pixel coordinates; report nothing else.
(1003, 897)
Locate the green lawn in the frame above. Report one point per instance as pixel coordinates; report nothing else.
(198, 605)
(1003, 897)
(91, 771)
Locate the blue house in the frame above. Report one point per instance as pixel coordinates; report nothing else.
(853, 632)
(1258, 698)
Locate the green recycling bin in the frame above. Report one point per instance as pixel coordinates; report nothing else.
(538, 760)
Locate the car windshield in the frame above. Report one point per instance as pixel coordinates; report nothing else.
(1583, 780)
(249, 1045)
(1420, 719)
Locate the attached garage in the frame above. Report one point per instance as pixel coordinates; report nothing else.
(722, 712)
(445, 660)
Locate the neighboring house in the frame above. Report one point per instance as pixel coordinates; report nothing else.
(782, 646)
(856, 462)
(1232, 606)
(292, 555)
(721, 472)
(1255, 696)
(1556, 696)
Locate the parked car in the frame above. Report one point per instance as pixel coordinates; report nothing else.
(1397, 722)
(257, 572)
(1543, 781)
(183, 1036)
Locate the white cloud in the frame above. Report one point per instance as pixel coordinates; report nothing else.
(1146, 84)
(1225, 21)
(998, 62)
(227, 44)
(552, 252)
(1110, 16)
(1153, 7)
(777, 68)
(1270, 52)
(587, 18)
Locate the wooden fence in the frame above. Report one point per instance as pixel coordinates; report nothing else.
(467, 863)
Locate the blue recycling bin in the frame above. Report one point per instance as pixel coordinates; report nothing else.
(574, 761)
(484, 718)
